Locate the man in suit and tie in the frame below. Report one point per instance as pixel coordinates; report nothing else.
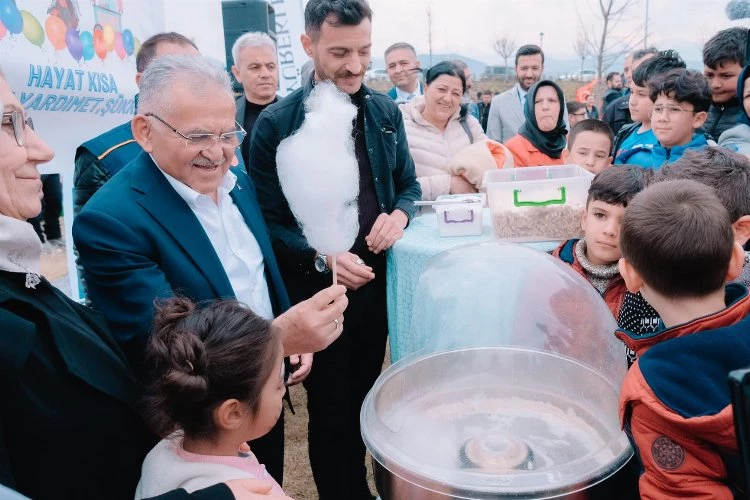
(179, 220)
(506, 110)
(256, 68)
(403, 69)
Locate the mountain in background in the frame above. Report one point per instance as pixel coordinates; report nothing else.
(553, 68)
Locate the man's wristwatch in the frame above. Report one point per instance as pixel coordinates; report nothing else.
(321, 263)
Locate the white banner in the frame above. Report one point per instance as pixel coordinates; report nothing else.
(71, 63)
(290, 24)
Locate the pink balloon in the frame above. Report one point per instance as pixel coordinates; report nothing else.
(3, 30)
(120, 46)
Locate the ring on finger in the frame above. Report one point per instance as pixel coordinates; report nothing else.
(360, 262)
(336, 322)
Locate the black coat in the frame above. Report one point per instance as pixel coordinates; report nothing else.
(394, 176)
(68, 421)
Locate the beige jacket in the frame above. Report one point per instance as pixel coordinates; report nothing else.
(431, 149)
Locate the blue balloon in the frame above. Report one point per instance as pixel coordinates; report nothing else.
(128, 42)
(87, 42)
(11, 16)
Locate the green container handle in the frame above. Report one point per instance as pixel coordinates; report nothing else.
(545, 203)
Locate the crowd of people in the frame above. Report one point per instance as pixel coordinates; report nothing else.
(205, 299)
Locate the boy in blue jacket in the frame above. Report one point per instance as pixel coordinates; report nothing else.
(681, 100)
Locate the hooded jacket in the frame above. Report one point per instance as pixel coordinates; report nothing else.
(675, 403)
(658, 155)
(737, 138)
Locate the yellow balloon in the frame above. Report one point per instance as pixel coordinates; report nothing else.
(109, 37)
(137, 44)
(32, 30)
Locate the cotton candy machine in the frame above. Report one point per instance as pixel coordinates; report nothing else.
(512, 388)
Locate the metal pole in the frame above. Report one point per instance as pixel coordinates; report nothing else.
(645, 29)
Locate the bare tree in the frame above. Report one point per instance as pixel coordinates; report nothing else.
(581, 48)
(428, 10)
(506, 47)
(606, 40)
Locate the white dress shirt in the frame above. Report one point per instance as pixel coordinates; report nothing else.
(521, 95)
(234, 243)
(403, 96)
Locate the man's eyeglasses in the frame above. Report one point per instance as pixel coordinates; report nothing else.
(670, 111)
(580, 115)
(16, 120)
(202, 142)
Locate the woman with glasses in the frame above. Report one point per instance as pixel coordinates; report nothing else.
(542, 137)
(69, 420)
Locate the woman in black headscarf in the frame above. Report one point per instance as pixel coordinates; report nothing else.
(541, 139)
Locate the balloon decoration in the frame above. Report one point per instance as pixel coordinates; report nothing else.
(10, 16)
(80, 44)
(32, 30)
(109, 37)
(87, 46)
(127, 41)
(73, 41)
(99, 46)
(55, 28)
(119, 47)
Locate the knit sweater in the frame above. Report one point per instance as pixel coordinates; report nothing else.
(431, 148)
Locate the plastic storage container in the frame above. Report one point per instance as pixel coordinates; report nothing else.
(537, 203)
(459, 214)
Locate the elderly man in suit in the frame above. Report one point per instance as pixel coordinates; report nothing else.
(256, 68)
(178, 220)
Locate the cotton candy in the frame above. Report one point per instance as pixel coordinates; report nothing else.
(319, 174)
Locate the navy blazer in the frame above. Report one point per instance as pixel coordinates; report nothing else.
(138, 241)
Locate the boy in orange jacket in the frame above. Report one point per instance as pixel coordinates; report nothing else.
(595, 256)
(679, 250)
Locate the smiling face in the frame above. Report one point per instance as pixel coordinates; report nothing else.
(402, 66)
(723, 80)
(257, 71)
(210, 111)
(341, 54)
(601, 227)
(529, 70)
(442, 99)
(20, 184)
(546, 108)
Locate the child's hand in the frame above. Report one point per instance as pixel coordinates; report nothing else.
(253, 489)
(301, 366)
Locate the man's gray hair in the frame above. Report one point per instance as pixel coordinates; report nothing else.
(400, 45)
(200, 74)
(253, 39)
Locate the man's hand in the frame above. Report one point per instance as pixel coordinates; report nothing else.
(313, 324)
(351, 271)
(387, 230)
(253, 489)
(459, 185)
(303, 362)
